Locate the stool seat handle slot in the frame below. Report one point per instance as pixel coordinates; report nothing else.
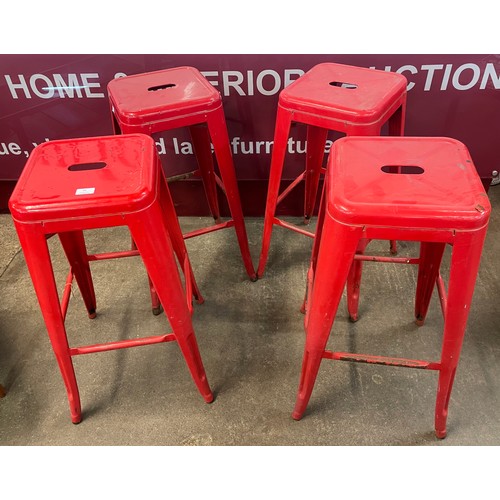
(402, 169)
(161, 87)
(78, 167)
(344, 85)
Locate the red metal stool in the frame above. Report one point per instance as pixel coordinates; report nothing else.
(404, 188)
(346, 99)
(183, 97)
(72, 185)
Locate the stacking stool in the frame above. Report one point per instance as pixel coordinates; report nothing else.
(69, 186)
(183, 97)
(346, 99)
(404, 188)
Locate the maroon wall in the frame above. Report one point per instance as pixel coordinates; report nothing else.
(61, 96)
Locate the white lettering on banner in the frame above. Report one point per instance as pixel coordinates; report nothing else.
(10, 148)
(45, 87)
(409, 68)
(241, 147)
(475, 76)
(88, 85)
(260, 82)
(289, 72)
(430, 74)
(48, 90)
(245, 84)
(267, 82)
(69, 88)
(227, 82)
(490, 72)
(250, 82)
(160, 145)
(13, 86)
(446, 77)
(465, 77)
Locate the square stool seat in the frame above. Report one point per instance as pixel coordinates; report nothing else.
(148, 100)
(421, 189)
(121, 183)
(406, 182)
(345, 94)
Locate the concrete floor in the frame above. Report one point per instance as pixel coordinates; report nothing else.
(251, 339)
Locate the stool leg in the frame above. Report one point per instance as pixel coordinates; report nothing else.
(338, 245)
(218, 133)
(37, 257)
(114, 122)
(315, 251)
(397, 121)
(465, 259)
(354, 281)
(175, 233)
(203, 152)
(430, 258)
(316, 140)
(155, 301)
(396, 127)
(73, 243)
(319, 229)
(283, 121)
(152, 240)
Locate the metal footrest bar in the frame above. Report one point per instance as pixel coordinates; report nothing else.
(410, 260)
(293, 184)
(287, 225)
(187, 175)
(394, 260)
(112, 255)
(382, 360)
(219, 182)
(289, 188)
(210, 229)
(122, 344)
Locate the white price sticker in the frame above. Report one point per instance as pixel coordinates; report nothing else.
(85, 191)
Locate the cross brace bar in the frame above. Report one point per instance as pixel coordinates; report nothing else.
(382, 360)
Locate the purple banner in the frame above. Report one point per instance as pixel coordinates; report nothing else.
(44, 97)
